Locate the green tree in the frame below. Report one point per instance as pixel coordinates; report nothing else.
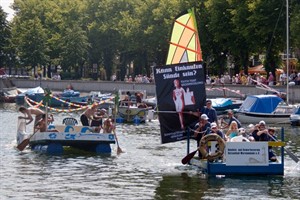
(5, 35)
(30, 41)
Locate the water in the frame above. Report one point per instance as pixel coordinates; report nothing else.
(146, 170)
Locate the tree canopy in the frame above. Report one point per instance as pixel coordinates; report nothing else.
(128, 37)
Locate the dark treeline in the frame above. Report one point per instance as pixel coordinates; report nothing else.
(125, 37)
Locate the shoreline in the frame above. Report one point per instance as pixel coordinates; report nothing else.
(84, 86)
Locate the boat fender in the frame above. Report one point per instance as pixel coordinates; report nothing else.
(203, 146)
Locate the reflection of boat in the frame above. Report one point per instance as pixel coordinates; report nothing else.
(295, 118)
(131, 108)
(79, 137)
(268, 108)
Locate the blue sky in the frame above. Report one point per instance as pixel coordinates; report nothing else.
(5, 6)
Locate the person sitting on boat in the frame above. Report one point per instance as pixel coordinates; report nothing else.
(210, 112)
(264, 134)
(231, 118)
(28, 112)
(88, 114)
(202, 128)
(42, 124)
(258, 129)
(108, 126)
(214, 129)
(127, 99)
(97, 119)
(232, 131)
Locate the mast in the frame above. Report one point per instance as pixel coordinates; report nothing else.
(287, 51)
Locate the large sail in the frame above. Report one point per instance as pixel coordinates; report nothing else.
(184, 44)
(180, 84)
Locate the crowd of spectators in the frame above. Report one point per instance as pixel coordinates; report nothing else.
(254, 79)
(243, 79)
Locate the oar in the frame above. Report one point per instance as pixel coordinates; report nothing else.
(119, 150)
(188, 157)
(25, 142)
(293, 156)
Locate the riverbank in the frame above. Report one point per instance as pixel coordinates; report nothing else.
(232, 91)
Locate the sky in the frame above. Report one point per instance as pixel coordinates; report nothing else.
(5, 6)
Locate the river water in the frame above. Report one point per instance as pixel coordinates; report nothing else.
(146, 170)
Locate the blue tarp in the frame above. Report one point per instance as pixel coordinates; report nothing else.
(260, 103)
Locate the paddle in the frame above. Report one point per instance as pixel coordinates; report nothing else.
(119, 150)
(188, 157)
(25, 142)
(292, 156)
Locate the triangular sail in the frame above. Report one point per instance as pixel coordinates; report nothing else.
(184, 44)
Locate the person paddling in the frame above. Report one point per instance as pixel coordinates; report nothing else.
(28, 112)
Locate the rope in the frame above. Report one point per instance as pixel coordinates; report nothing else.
(29, 101)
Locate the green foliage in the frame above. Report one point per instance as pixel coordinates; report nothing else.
(116, 33)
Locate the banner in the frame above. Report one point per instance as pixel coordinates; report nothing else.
(180, 91)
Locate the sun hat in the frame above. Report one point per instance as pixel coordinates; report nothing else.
(208, 101)
(262, 123)
(204, 116)
(213, 125)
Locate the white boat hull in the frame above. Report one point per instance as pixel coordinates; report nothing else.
(254, 118)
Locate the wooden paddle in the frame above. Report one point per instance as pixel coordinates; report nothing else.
(25, 142)
(119, 150)
(292, 156)
(188, 157)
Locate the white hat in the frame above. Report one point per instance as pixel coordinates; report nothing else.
(204, 116)
(213, 125)
(262, 123)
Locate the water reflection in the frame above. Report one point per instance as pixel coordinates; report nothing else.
(188, 187)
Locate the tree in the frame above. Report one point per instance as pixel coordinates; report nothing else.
(30, 41)
(5, 35)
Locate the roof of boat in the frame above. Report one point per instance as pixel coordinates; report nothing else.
(260, 103)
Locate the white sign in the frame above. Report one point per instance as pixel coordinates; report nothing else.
(247, 154)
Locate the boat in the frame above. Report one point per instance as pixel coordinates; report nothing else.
(59, 99)
(181, 91)
(66, 136)
(295, 118)
(242, 158)
(221, 105)
(7, 97)
(131, 109)
(269, 108)
(32, 93)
